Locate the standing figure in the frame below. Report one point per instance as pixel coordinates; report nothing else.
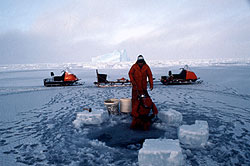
(141, 101)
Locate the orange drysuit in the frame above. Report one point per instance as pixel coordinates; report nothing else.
(141, 111)
(138, 77)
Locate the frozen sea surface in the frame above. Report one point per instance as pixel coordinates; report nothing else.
(36, 122)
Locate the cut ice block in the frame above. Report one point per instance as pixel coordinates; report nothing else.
(171, 117)
(161, 152)
(95, 117)
(194, 136)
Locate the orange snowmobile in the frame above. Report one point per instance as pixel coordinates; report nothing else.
(66, 79)
(186, 76)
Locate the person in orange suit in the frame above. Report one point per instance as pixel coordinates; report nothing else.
(138, 75)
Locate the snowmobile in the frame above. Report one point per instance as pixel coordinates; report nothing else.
(186, 76)
(66, 79)
(103, 82)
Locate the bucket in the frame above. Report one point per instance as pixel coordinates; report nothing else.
(112, 106)
(126, 105)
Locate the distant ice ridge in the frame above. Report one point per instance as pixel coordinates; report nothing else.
(127, 64)
(201, 62)
(115, 56)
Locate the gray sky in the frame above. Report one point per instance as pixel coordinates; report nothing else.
(44, 31)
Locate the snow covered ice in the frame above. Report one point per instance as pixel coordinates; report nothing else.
(195, 135)
(36, 122)
(94, 117)
(161, 152)
(170, 117)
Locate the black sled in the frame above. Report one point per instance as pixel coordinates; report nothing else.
(103, 82)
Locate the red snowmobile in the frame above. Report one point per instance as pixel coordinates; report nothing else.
(186, 76)
(66, 79)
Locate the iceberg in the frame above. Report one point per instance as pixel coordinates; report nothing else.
(115, 56)
(161, 152)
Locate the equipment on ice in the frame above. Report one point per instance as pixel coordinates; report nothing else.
(87, 109)
(66, 79)
(186, 76)
(103, 82)
(125, 105)
(112, 106)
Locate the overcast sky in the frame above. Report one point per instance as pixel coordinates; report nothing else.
(48, 31)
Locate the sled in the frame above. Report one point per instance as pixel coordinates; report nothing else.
(103, 82)
(186, 76)
(66, 79)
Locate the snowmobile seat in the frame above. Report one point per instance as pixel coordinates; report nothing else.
(59, 78)
(182, 75)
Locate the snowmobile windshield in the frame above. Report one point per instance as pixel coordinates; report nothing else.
(67, 70)
(186, 67)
